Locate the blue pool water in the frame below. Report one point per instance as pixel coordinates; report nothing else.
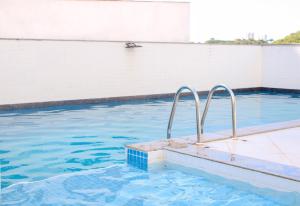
(42, 143)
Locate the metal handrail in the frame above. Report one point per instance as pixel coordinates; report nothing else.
(197, 105)
(233, 107)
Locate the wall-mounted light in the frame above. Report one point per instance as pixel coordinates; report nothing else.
(131, 45)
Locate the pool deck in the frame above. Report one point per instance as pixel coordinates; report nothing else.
(265, 156)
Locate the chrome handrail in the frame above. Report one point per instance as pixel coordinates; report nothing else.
(233, 107)
(197, 105)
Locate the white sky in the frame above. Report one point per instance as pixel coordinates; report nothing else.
(231, 19)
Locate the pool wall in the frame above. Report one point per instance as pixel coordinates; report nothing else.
(34, 71)
(281, 66)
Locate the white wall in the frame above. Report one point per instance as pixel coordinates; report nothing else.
(38, 71)
(95, 20)
(281, 66)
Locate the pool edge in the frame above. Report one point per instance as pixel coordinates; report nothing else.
(34, 105)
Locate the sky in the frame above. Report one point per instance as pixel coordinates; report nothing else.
(232, 19)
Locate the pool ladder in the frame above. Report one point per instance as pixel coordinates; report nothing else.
(200, 123)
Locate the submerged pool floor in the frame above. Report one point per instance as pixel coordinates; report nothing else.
(41, 143)
(123, 185)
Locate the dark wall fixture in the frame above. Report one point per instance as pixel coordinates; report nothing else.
(131, 45)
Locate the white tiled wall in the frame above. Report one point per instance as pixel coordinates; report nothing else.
(39, 71)
(281, 66)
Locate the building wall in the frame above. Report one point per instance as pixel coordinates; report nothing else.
(95, 20)
(281, 66)
(39, 71)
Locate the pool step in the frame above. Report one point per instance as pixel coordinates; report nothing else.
(266, 159)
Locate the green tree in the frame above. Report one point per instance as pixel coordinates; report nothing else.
(293, 38)
(236, 41)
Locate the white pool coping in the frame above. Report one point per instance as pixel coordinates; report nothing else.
(266, 156)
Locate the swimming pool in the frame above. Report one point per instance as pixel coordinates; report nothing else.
(42, 143)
